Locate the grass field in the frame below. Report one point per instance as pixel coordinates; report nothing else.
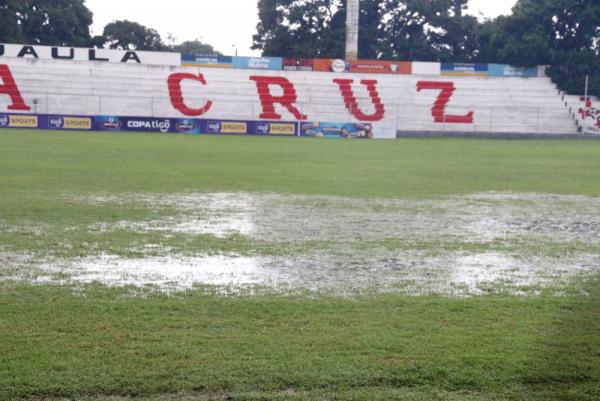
(79, 212)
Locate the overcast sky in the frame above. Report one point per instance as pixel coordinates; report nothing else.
(225, 24)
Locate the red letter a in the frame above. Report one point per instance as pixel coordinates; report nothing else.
(9, 87)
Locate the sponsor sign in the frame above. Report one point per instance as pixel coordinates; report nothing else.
(298, 64)
(330, 65)
(337, 130)
(323, 64)
(69, 123)
(206, 60)
(258, 63)
(271, 128)
(380, 67)
(465, 69)
(188, 126)
(251, 128)
(426, 68)
(148, 124)
(108, 123)
(18, 121)
(35, 52)
(503, 70)
(339, 66)
(226, 127)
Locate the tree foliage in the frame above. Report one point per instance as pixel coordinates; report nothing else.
(564, 34)
(128, 35)
(195, 46)
(57, 22)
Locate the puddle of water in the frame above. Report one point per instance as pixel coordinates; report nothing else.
(270, 217)
(407, 272)
(477, 218)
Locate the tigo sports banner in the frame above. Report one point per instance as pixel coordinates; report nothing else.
(251, 128)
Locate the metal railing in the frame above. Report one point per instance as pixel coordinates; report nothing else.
(486, 119)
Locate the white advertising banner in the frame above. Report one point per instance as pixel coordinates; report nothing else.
(34, 52)
(426, 68)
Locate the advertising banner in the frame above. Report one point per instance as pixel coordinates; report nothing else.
(465, 69)
(19, 121)
(380, 67)
(337, 130)
(426, 68)
(298, 64)
(148, 124)
(258, 63)
(251, 128)
(35, 52)
(503, 70)
(78, 123)
(206, 60)
(330, 65)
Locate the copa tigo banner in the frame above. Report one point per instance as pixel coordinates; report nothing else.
(195, 126)
(199, 126)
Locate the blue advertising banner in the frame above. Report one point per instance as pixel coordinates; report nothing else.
(258, 63)
(206, 60)
(503, 70)
(465, 69)
(81, 123)
(19, 121)
(337, 130)
(148, 124)
(272, 128)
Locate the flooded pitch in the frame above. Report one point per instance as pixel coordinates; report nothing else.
(457, 246)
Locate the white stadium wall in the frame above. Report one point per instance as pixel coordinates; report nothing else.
(419, 103)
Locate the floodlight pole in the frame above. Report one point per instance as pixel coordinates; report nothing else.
(585, 100)
(352, 21)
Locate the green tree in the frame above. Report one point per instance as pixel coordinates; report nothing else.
(10, 30)
(564, 34)
(391, 29)
(194, 46)
(57, 22)
(128, 35)
(301, 28)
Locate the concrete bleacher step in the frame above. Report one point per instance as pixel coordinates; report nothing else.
(531, 105)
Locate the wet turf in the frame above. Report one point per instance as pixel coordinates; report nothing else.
(94, 342)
